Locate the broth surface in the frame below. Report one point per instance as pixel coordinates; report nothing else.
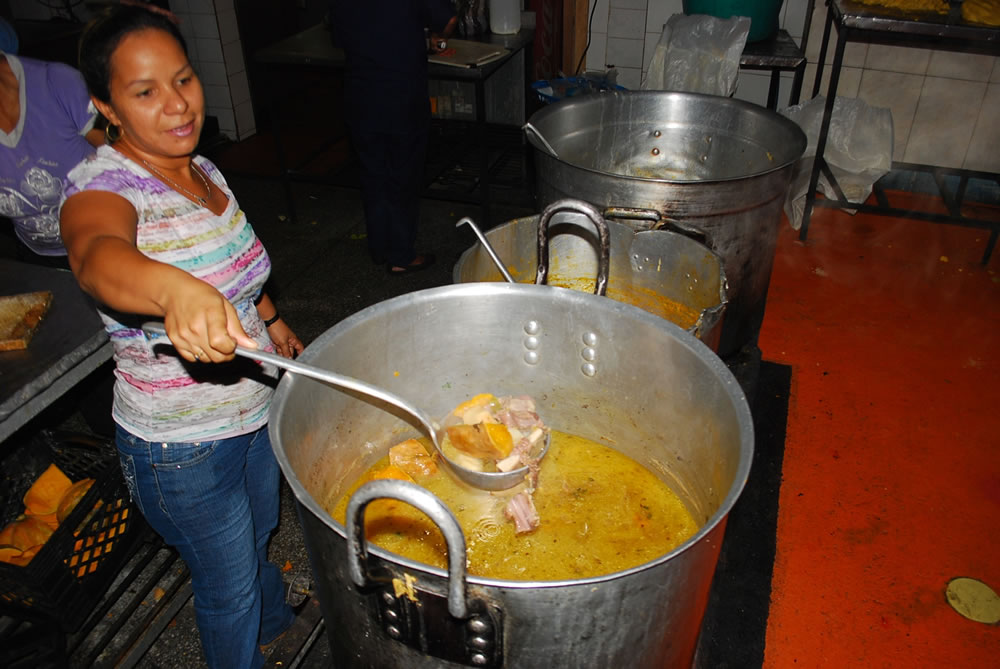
(600, 511)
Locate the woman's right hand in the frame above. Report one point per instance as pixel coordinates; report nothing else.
(202, 324)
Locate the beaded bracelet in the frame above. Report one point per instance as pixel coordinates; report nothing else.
(272, 320)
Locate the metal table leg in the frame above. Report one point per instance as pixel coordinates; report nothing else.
(831, 97)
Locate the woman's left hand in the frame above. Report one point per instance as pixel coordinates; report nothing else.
(285, 341)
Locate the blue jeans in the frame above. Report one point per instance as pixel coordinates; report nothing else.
(217, 504)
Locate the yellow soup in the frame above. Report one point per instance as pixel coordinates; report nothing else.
(600, 511)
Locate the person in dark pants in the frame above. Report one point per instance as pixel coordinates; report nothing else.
(387, 110)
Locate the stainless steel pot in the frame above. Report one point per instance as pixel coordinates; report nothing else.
(662, 272)
(651, 158)
(602, 369)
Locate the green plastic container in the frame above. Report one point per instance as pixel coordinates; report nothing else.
(763, 14)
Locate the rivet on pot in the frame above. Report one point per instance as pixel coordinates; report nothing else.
(590, 339)
(479, 659)
(392, 615)
(480, 643)
(388, 598)
(532, 327)
(589, 369)
(657, 133)
(589, 354)
(393, 631)
(478, 626)
(531, 343)
(656, 152)
(531, 357)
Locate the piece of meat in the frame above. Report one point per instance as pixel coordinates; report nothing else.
(521, 509)
(519, 403)
(520, 420)
(411, 457)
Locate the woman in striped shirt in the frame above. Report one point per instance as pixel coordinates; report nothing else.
(153, 230)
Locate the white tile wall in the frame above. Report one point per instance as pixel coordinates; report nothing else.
(628, 23)
(212, 33)
(897, 91)
(897, 59)
(597, 52)
(944, 122)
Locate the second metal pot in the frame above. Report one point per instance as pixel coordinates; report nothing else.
(662, 272)
(714, 164)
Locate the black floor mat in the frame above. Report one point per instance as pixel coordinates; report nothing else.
(735, 623)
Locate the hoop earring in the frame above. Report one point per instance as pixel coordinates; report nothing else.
(112, 136)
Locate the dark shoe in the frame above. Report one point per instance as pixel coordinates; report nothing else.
(287, 645)
(420, 263)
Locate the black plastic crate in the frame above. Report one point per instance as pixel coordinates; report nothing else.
(76, 565)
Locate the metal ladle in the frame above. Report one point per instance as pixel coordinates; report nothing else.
(489, 248)
(541, 139)
(476, 479)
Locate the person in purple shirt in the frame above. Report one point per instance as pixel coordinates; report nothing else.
(387, 108)
(46, 128)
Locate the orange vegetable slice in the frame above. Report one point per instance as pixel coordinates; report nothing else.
(392, 472)
(413, 458)
(44, 494)
(479, 400)
(72, 497)
(25, 533)
(482, 440)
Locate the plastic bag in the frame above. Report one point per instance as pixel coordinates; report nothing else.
(858, 151)
(698, 54)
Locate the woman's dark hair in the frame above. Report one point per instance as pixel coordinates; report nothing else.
(105, 33)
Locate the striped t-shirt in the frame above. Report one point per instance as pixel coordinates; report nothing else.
(158, 395)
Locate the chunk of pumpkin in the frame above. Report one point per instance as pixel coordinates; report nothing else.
(9, 553)
(25, 533)
(482, 440)
(72, 497)
(44, 494)
(386, 508)
(480, 400)
(392, 472)
(413, 458)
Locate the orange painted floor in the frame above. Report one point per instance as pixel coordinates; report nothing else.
(891, 478)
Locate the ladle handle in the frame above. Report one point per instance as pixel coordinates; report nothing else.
(426, 501)
(532, 130)
(334, 379)
(603, 235)
(489, 248)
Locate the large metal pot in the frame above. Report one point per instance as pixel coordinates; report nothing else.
(716, 165)
(662, 272)
(602, 369)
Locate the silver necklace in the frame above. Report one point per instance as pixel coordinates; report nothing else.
(179, 187)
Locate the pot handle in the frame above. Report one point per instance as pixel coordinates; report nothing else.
(603, 235)
(424, 500)
(658, 221)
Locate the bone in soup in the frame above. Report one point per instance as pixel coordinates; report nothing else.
(595, 512)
